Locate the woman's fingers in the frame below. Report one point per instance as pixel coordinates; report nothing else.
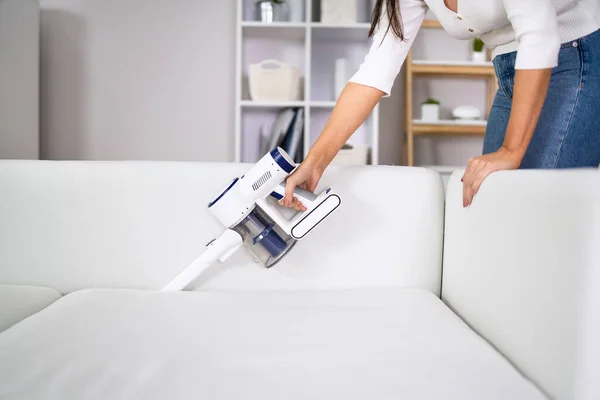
(477, 171)
(467, 181)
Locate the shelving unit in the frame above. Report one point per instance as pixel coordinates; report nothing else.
(312, 47)
(416, 68)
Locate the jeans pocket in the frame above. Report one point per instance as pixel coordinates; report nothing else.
(504, 66)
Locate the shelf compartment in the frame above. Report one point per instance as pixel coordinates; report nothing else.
(363, 135)
(342, 32)
(272, 104)
(324, 53)
(449, 127)
(255, 120)
(282, 31)
(450, 68)
(363, 11)
(259, 43)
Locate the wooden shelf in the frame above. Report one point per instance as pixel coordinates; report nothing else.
(452, 68)
(431, 24)
(449, 127)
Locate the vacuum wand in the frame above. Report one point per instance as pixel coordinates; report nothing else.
(219, 249)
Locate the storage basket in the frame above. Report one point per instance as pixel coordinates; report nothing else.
(352, 154)
(273, 80)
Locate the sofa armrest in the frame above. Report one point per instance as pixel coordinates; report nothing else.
(521, 267)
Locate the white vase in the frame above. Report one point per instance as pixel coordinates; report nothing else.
(297, 10)
(478, 56)
(430, 112)
(340, 76)
(339, 11)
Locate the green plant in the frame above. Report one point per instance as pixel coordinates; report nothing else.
(431, 101)
(478, 45)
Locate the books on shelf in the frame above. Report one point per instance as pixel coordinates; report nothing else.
(287, 133)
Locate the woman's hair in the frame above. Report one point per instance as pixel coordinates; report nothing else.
(393, 12)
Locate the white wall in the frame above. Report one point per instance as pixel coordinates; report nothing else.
(19, 79)
(138, 79)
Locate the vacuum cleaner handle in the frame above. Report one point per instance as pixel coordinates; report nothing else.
(305, 196)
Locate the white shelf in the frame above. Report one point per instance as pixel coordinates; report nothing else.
(271, 104)
(460, 122)
(274, 25)
(322, 104)
(312, 47)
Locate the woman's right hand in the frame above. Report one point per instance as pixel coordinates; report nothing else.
(307, 177)
(351, 110)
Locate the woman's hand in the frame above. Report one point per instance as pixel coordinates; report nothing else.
(306, 176)
(480, 167)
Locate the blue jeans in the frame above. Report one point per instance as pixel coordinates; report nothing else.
(568, 130)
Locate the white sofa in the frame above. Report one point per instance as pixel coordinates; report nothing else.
(401, 294)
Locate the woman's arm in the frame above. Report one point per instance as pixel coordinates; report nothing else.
(536, 31)
(530, 89)
(352, 108)
(372, 81)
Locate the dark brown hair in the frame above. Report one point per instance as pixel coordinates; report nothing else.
(393, 12)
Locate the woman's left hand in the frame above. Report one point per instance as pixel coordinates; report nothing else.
(480, 167)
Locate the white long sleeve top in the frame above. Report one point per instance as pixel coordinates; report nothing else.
(534, 29)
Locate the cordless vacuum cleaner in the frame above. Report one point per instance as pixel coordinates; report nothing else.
(249, 209)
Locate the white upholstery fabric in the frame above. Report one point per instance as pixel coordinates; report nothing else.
(521, 266)
(73, 225)
(361, 344)
(18, 302)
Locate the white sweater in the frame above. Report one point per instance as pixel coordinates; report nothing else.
(533, 28)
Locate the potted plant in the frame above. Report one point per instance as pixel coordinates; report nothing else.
(430, 110)
(478, 55)
(272, 10)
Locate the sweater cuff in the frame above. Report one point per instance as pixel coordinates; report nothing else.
(367, 79)
(539, 57)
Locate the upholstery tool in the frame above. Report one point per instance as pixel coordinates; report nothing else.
(248, 207)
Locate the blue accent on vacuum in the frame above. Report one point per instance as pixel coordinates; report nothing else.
(212, 203)
(281, 161)
(271, 241)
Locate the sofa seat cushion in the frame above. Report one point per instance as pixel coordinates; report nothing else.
(19, 302)
(357, 344)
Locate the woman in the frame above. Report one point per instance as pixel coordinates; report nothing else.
(546, 113)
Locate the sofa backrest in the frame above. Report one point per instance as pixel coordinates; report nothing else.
(70, 225)
(522, 268)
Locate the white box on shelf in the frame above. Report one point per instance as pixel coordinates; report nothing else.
(273, 80)
(339, 11)
(297, 10)
(352, 154)
(430, 112)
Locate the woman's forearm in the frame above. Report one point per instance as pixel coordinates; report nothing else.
(530, 89)
(352, 109)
